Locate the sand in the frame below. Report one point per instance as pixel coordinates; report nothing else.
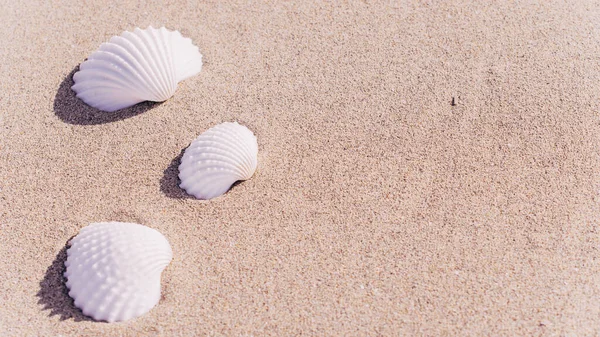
(378, 208)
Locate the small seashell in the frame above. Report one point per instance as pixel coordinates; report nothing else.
(218, 158)
(145, 65)
(113, 269)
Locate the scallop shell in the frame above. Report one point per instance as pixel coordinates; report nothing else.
(218, 158)
(145, 65)
(113, 269)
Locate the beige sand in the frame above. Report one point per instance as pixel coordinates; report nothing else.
(379, 208)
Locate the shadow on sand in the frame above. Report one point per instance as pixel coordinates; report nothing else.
(169, 183)
(53, 293)
(72, 110)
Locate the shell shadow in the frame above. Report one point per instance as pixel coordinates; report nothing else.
(53, 293)
(169, 183)
(72, 110)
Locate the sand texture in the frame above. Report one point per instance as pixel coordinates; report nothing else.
(379, 207)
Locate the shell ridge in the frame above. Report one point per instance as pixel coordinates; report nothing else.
(117, 63)
(146, 54)
(220, 185)
(99, 297)
(163, 42)
(84, 85)
(123, 304)
(154, 256)
(84, 80)
(105, 103)
(245, 138)
(128, 47)
(146, 45)
(102, 70)
(213, 153)
(224, 160)
(211, 181)
(126, 57)
(241, 144)
(104, 88)
(216, 166)
(236, 133)
(209, 191)
(247, 141)
(153, 44)
(206, 172)
(168, 50)
(218, 140)
(116, 68)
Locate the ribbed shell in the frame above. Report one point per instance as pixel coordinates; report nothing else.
(145, 65)
(113, 269)
(219, 157)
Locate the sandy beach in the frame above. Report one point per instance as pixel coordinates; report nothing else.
(426, 168)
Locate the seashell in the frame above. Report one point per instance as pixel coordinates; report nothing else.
(218, 158)
(113, 269)
(145, 65)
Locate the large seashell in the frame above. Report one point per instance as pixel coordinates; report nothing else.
(113, 269)
(145, 65)
(218, 158)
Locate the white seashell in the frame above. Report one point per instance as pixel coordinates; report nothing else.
(113, 269)
(145, 65)
(218, 158)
